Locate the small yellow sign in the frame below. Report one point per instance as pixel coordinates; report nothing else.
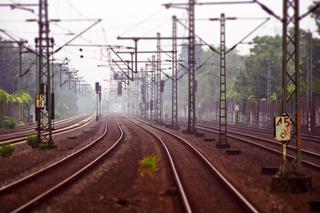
(282, 128)
(40, 103)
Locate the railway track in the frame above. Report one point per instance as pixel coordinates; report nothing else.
(268, 132)
(34, 189)
(311, 158)
(200, 185)
(7, 132)
(63, 128)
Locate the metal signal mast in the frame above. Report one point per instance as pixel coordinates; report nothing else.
(174, 122)
(191, 77)
(44, 100)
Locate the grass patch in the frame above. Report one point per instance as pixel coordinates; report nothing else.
(32, 140)
(149, 165)
(42, 146)
(6, 150)
(8, 122)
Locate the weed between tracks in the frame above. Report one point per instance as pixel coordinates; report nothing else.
(6, 150)
(149, 165)
(32, 141)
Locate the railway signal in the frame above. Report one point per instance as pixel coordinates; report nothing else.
(98, 93)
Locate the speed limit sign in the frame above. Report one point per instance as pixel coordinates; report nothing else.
(40, 103)
(282, 128)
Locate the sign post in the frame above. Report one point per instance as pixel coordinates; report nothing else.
(282, 133)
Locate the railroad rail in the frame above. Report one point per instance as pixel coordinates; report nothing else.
(69, 126)
(313, 157)
(188, 205)
(27, 128)
(306, 137)
(26, 183)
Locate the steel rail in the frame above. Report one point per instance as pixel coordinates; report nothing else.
(234, 136)
(67, 181)
(182, 193)
(290, 147)
(234, 191)
(308, 137)
(32, 126)
(23, 139)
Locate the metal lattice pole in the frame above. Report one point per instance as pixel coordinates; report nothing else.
(310, 118)
(223, 141)
(146, 89)
(158, 74)
(191, 75)
(44, 43)
(153, 88)
(174, 121)
(290, 78)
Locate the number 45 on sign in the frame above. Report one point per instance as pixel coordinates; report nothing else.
(40, 101)
(282, 128)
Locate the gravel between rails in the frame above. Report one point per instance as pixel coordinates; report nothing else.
(26, 160)
(117, 185)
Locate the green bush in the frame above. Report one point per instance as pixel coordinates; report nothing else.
(32, 140)
(42, 146)
(8, 122)
(6, 150)
(21, 123)
(149, 165)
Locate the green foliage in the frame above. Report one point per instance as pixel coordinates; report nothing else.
(149, 165)
(6, 150)
(252, 98)
(3, 97)
(42, 146)
(316, 14)
(32, 140)
(21, 123)
(8, 122)
(21, 97)
(273, 97)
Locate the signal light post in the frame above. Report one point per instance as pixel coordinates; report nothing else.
(98, 93)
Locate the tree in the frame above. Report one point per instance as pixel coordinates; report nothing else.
(316, 14)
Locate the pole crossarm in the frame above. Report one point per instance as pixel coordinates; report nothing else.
(207, 44)
(268, 10)
(146, 51)
(150, 38)
(130, 78)
(249, 34)
(169, 5)
(313, 9)
(123, 61)
(100, 45)
(77, 36)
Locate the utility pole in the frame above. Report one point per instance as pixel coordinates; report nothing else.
(223, 110)
(291, 177)
(268, 92)
(174, 117)
(223, 140)
(44, 112)
(157, 103)
(309, 56)
(191, 68)
(153, 88)
(159, 99)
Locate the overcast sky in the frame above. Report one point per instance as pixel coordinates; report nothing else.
(136, 18)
